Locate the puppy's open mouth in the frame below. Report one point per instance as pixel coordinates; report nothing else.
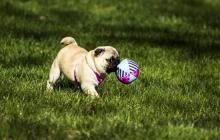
(109, 70)
(113, 66)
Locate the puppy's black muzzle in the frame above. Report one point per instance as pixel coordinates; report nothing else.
(112, 67)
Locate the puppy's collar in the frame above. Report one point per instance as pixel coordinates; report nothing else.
(99, 78)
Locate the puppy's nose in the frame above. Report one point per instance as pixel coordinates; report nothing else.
(117, 61)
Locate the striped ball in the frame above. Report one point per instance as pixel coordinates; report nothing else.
(127, 71)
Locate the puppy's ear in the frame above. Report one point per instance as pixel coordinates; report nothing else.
(99, 51)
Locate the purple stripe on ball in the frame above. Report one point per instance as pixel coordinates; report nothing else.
(128, 71)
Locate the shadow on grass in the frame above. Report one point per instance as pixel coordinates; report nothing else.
(69, 17)
(26, 24)
(9, 9)
(27, 129)
(197, 12)
(25, 61)
(21, 26)
(195, 43)
(65, 84)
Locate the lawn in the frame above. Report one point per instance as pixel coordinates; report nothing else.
(175, 42)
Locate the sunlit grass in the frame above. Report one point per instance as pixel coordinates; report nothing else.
(176, 44)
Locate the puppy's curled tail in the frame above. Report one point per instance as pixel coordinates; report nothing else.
(68, 40)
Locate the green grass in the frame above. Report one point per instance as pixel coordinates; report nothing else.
(175, 42)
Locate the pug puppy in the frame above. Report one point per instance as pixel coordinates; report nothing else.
(88, 69)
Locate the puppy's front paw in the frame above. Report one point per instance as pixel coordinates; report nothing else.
(90, 90)
(94, 96)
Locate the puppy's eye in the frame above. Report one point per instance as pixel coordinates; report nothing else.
(110, 60)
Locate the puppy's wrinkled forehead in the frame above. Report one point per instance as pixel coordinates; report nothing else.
(107, 51)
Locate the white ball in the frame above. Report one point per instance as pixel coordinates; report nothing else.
(127, 71)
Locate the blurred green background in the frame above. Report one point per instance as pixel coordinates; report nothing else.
(175, 42)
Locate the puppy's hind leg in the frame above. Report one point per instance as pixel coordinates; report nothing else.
(54, 75)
